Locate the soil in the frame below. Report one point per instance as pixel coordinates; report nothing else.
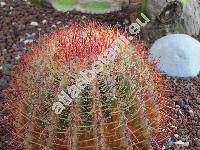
(16, 33)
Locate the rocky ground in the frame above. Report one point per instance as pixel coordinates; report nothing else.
(21, 23)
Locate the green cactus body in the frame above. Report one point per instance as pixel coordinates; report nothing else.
(122, 108)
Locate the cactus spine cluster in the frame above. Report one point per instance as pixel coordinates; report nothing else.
(122, 108)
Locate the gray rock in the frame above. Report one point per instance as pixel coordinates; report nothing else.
(3, 83)
(177, 54)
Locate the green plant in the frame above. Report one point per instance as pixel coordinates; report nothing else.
(89, 6)
(64, 5)
(144, 6)
(185, 2)
(95, 6)
(122, 108)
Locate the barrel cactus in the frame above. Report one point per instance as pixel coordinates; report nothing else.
(123, 107)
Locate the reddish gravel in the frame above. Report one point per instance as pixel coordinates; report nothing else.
(15, 31)
(185, 94)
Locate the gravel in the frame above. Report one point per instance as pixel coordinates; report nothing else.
(185, 93)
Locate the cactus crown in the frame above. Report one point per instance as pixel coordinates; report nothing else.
(122, 108)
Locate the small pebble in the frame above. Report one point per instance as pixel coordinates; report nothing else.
(167, 13)
(198, 101)
(22, 39)
(174, 127)
(58, 22)
(33, 23)
(169, 142)
(1, 67)
(53, 26)
(3, 82)
(83, 17)
(28, 41)
(182, 143)
(44, 21)
(14, 24)
(163, 147)
(31, 36)
(176, 135)
(180, 112)
(2, 4)
(191, 112)
(126, 21)
(27, 2)
(186, 144)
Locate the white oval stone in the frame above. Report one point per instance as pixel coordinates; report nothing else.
(33, 23)
(178, 55)
(2, 4)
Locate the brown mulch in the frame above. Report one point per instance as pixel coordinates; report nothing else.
(15, 31)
